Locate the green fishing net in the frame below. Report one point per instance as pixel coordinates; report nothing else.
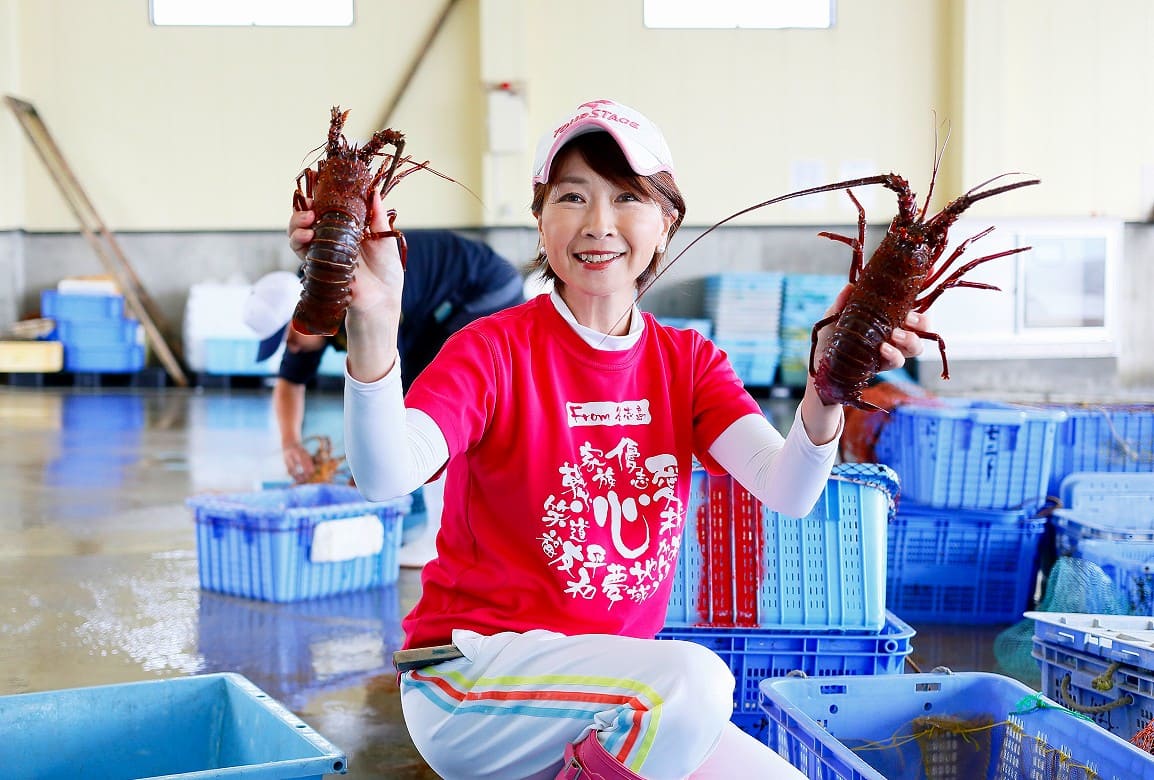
(1073, 585)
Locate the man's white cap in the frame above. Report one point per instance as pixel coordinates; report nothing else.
(270, 307)
(640, 140)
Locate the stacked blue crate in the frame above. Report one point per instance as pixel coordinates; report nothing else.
(963, 546)
(95, 334)
(805, 300)
(746, 312)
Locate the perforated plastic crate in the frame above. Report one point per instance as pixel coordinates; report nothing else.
(110, 332)
(213, 725)
(956, 566)
(753, 360)
(80, 306)
(743, 565)
(1103, 437)
(816, 723)
(298, 543)
(756, 654)
(1099, 665)
(121, 358)
(1104, 505)
(971, 454)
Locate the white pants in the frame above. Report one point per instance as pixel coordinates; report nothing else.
(508, 708)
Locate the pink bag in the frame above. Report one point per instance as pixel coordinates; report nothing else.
(589, 760)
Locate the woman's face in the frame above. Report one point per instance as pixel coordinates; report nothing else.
(598, 236)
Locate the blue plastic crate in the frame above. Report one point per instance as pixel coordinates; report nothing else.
(1100, 666)
(1103, 437)
(971, 454)
(109, 332)
(261, 545)
(1103, 505)
(743, 565)
(817, 723)
(756, 654)
(753, 360)
(213, 725)
(957, 566)
(80, 306)
(118, 359)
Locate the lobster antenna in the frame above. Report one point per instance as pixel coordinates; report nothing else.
(939, 152)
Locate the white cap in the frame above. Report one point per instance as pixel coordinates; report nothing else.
(269, 308)
(640, 140)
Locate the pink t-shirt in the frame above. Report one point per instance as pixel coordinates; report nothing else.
(573, 465)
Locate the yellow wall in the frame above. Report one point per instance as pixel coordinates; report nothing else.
(206, 128)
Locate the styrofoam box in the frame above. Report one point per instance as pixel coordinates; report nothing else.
(268, 545)
(212, 725)
(743, 565)
(815, 723)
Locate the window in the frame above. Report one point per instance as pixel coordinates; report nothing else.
(247, 13)
(1055, 300)
(747, 14)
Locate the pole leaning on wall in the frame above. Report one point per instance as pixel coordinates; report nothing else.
(102, 241)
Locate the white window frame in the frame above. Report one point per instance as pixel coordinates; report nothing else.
(252, 13)
(740, 14)
(985, 324)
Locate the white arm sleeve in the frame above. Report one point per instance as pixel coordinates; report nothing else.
(391, 450)
(786, 474)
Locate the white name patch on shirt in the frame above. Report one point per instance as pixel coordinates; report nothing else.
(608, 413)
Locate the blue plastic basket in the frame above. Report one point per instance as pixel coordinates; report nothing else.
(742, 565)
(214, 725)
(971, 454)
(110, 332)
(80, 306)
(260, 545)
(753, 360)
(957, 566)
(1103, 437)
(115, 359)
(815, 723)
(756, 654)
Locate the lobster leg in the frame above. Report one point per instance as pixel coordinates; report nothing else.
(953, 257)
(858, 244)
(392, 232)
(925, 334)
(310, 177)
(954, 279)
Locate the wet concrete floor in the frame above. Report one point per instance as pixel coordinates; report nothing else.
(99, 579)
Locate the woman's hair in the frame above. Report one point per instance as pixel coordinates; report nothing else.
(601, 153)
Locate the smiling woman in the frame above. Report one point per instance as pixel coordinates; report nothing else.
(567, 429)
